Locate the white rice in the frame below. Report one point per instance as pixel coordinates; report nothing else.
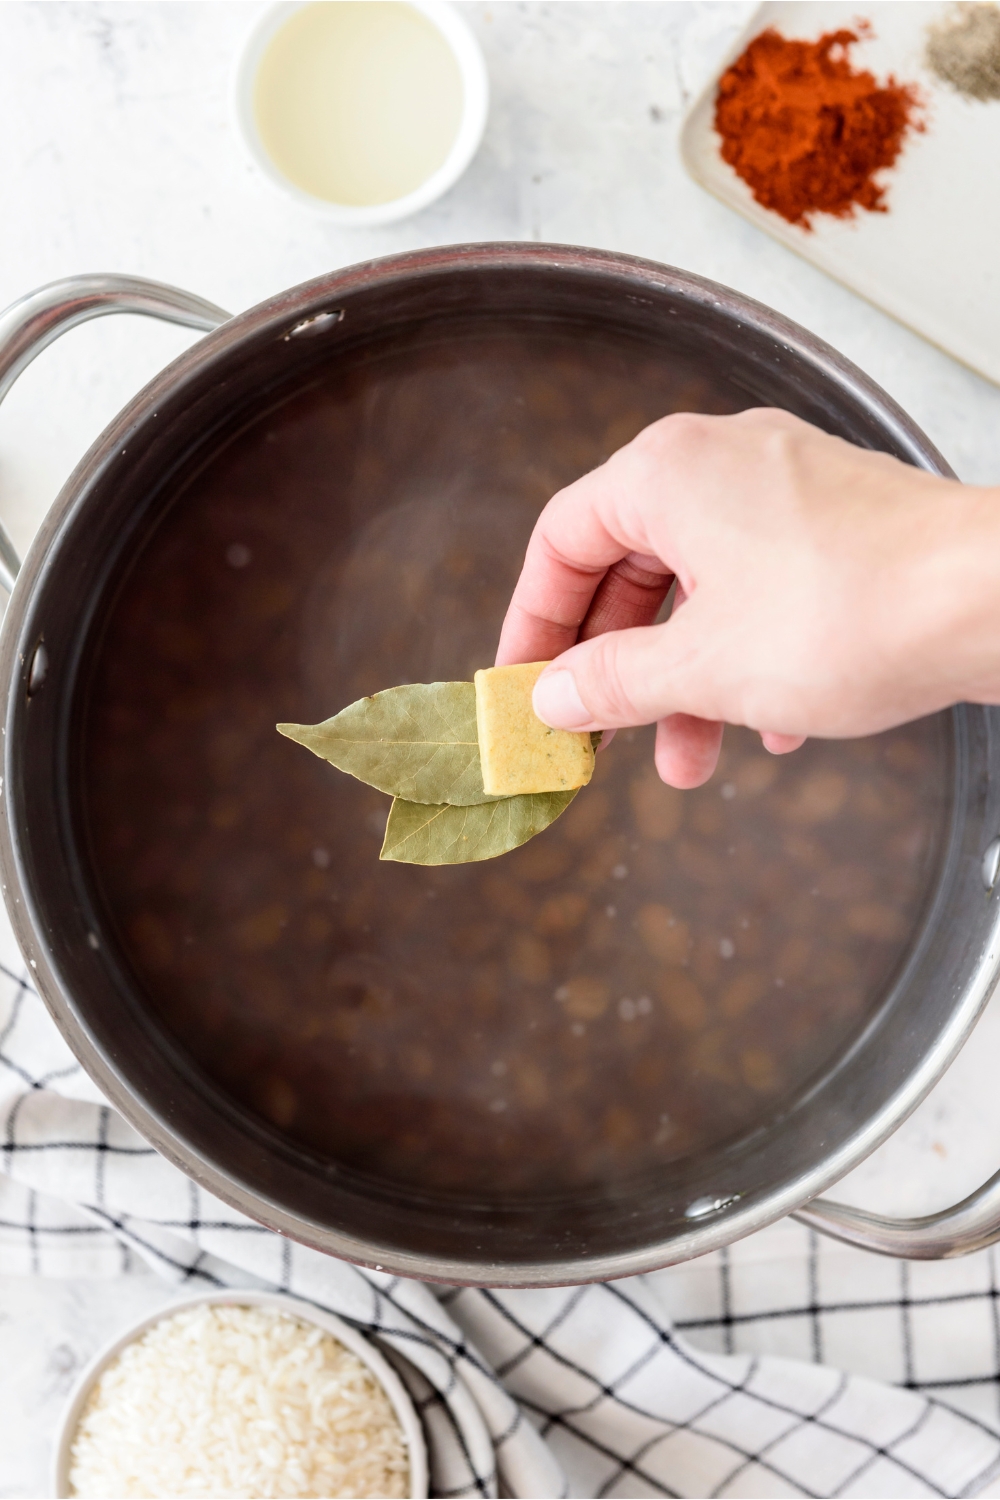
(223, 1400)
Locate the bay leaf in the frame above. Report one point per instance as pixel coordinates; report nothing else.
(418, 742)
(419, 834)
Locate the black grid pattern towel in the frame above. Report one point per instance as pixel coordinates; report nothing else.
(615, 1399)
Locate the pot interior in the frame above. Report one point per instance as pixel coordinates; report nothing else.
(656, 977)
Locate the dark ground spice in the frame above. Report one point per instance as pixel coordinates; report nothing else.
(807, 131)
(964, 50)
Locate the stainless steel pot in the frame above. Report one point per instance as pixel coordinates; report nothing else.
(210, 391)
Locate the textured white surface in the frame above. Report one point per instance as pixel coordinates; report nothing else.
(117, 153)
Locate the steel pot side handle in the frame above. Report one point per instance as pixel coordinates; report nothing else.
(967, 1226)
(33, 322)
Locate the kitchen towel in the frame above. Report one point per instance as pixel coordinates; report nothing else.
(583, 1390)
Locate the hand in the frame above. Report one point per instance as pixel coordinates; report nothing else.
(822, 589)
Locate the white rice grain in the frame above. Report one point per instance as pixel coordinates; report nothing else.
(223, 1400)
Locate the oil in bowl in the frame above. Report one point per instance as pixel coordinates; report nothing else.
(368, 109)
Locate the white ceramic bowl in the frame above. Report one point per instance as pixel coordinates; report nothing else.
(349, 1337)
(475, 91)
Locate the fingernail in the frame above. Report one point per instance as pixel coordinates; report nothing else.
(557, 702)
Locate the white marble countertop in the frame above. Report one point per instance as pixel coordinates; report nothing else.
(117, 153)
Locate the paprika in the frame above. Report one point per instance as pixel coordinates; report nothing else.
(807, 131)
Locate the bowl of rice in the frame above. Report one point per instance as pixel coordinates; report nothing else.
(240, 1394)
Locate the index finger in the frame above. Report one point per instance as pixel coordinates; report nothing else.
(585, 530)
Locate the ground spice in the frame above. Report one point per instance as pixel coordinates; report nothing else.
(806, 131)
(964, 50)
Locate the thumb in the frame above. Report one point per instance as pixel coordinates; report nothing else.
(620, 679)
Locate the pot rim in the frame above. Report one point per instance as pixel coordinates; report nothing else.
(307, 309)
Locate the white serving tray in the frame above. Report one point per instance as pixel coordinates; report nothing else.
(932, 261)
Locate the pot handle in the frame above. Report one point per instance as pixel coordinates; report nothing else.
(33, 322)
(967, 1226)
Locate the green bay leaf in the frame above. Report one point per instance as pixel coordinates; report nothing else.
(418, 834)
(418, 742)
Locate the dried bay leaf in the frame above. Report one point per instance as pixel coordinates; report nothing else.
(418, 742)
(418, 834)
